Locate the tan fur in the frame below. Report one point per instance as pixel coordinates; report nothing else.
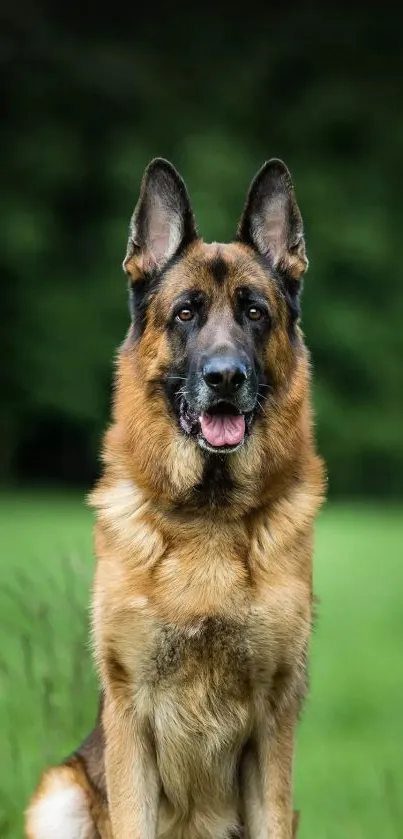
(202, 612)
(202, 621)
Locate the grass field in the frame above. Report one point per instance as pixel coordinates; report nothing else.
(349, 777)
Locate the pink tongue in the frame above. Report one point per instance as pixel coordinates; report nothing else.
(222, 430)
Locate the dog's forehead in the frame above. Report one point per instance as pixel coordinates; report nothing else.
(216, 269)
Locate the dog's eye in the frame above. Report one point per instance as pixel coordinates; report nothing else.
(185, 314)
(254, 313)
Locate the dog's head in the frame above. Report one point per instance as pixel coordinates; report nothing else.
(215, 324)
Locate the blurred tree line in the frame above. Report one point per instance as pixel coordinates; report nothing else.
(91, 98)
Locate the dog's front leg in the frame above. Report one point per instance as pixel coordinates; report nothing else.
(267, 782)
(131, 775)
(276, 761)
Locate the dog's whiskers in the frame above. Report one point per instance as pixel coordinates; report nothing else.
(262, 407)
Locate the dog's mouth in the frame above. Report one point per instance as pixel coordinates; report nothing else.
(221, 429)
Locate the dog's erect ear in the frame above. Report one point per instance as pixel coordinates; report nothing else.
(271, 221)
(162, 223)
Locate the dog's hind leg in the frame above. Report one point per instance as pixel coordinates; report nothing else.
(60, 807)
(70, 801)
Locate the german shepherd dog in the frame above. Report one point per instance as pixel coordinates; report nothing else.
(202, 600)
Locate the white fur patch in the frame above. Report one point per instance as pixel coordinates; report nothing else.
(124, 509)
(61, 812)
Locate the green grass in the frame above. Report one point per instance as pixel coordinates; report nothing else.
(349, 773)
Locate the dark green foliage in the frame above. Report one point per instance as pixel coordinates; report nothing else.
(90, 101)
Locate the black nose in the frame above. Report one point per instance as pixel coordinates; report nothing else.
(224, 374)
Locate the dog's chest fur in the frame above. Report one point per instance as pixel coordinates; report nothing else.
(210, 686)
(213, 641)
(201, 699)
